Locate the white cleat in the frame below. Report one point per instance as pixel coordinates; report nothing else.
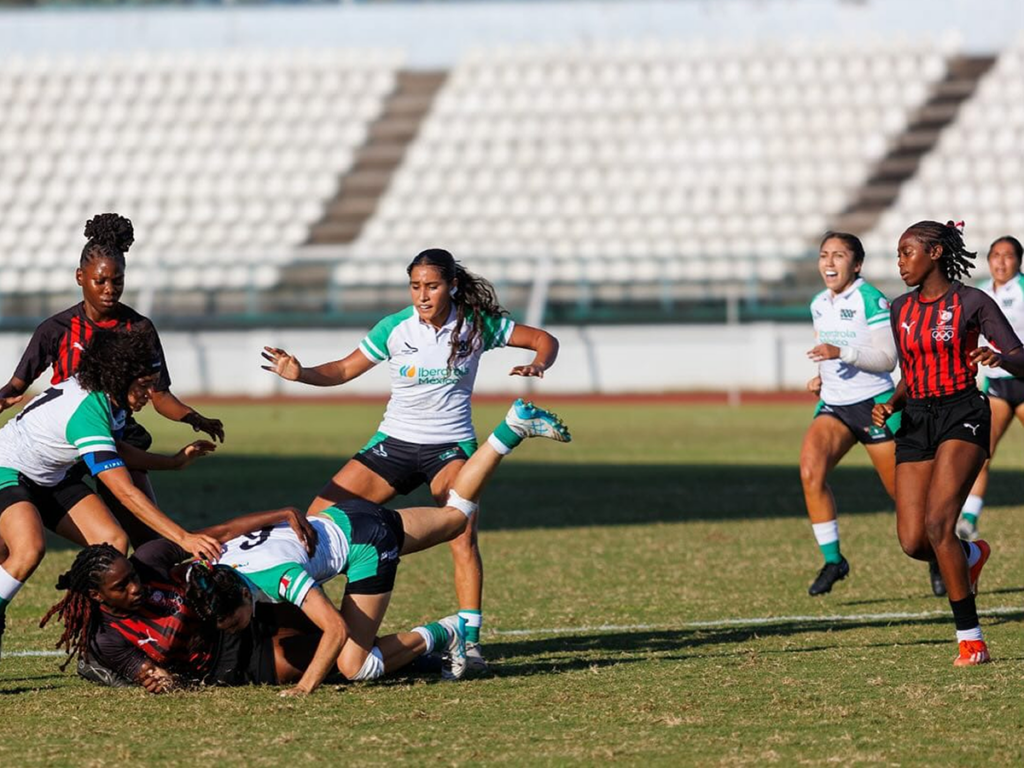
(966, 530)
(453, 656)
(529, 420)
(476, 664)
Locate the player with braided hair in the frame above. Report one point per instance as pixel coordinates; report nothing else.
(943, 439)
(60, 339)
(433, 349)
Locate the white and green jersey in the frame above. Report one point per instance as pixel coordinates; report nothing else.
(847, 320)
(430, 402)
(1010, 298)
(58, 428)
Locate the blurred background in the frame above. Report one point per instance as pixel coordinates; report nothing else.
(649, 180)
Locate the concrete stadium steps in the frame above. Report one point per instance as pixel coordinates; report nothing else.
(883, 185)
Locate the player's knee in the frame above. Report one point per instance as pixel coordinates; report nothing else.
(917, 547)
(937, 528)
(118, 540)
(25, 558)
(812, 473)
(371, 669)
(464, 546)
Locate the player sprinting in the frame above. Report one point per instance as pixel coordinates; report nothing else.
(944, 436)
(1005, 391)
(59, 340)
(433, 349)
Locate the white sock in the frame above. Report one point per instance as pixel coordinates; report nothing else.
(465, 506)
(975, 556)
(500, 447)
(973, 505)
(427, 638)
(9, 587)
(826, 533)
(969, 634)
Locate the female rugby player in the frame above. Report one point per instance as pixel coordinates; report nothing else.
(74, 421)
(944, 437)
(433, 349)
(1005, 391)
(855, 353)
(59, 341)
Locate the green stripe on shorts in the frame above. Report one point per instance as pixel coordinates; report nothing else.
(363, 559)
(893, 422)
(378, 438)
(8, 477)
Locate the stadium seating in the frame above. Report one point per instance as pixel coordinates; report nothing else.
(641, 160)
(222, 161)
(974, 174)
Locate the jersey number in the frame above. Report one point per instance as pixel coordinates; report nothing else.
(255, 539)
(51, 394)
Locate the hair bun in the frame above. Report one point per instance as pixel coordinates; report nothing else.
(63, 581)
(111, 230)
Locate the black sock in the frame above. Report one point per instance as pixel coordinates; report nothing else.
(966, 547)
(965, 613)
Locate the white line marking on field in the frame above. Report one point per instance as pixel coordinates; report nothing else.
(756, 621)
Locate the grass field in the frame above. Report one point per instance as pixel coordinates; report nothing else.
(645, 602)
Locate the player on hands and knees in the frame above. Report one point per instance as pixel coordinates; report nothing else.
(59, 340)
(433, 349)
(944, 437)
(1005, 391)
(855, 353)
(363, 541)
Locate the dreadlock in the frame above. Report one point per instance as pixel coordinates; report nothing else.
(76, 609)
(956, 261)
(474, 298)
(113, 360)
(110, 237)
(214, 592)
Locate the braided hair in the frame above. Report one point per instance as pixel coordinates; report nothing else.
(110, 236)
(214, 592)
(113, 360)
(77, 609)
(956, 261)
(474, 298)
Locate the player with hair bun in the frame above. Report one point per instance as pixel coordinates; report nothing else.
(60, 339)
(433, 349)
(944, 437)
(1005, 391)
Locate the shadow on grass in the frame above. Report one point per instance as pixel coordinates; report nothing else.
(531, 495)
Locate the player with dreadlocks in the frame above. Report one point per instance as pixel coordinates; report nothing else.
(433, 349)
(76, 420)
(943, 439)
(60, 339)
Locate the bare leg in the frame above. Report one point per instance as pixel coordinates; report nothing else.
(826, 442)
(353, 481)
(883, 457)
(138, 532)
(465, 547)
(90, 522)
(363, 615)
(912, 481)
(22, 530)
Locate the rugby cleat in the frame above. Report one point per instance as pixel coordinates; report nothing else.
(975, 572)
(476, 664)
(95, 672)
(972, 652)
(935, 576)
(966, 529)
(829, 575)
(453, 657)
(529, 420)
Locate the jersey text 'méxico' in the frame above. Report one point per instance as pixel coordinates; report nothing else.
(276, 562)
(848, 320)
(430, 403)
(934, 338)
(58, 428)
(1009, 297)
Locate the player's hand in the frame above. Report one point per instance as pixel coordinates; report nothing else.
(823, 352)
(881, 413)
(284, 365)
(193, 451)
(814, 385)
(156, 680)
(985, 356)
(201, 545)
(293, 693)
(303, 529)
(7, 402)
(531, 370)
(199, 423)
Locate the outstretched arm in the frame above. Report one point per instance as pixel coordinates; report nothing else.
(13, 389)
(171, 408)
(254, 521)
(330, 374)
(322, 613)
(136, 458)
(541, 342)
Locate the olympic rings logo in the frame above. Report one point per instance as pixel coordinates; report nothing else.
(943, 334)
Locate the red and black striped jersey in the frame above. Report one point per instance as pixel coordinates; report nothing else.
(59, 341)
(934, 338)
(164, 631)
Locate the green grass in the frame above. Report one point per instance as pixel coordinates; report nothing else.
(654, 519)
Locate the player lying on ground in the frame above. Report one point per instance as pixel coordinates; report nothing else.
(257, 644)
(943, 439)
(72, 421)
(433, 349)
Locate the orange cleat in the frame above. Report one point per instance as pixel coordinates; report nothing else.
(975, 573)
(972, 652)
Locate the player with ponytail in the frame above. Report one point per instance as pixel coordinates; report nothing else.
(433, 349)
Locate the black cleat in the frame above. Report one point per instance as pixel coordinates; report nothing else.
(938, 585)
(95, 672)
(829, 575)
